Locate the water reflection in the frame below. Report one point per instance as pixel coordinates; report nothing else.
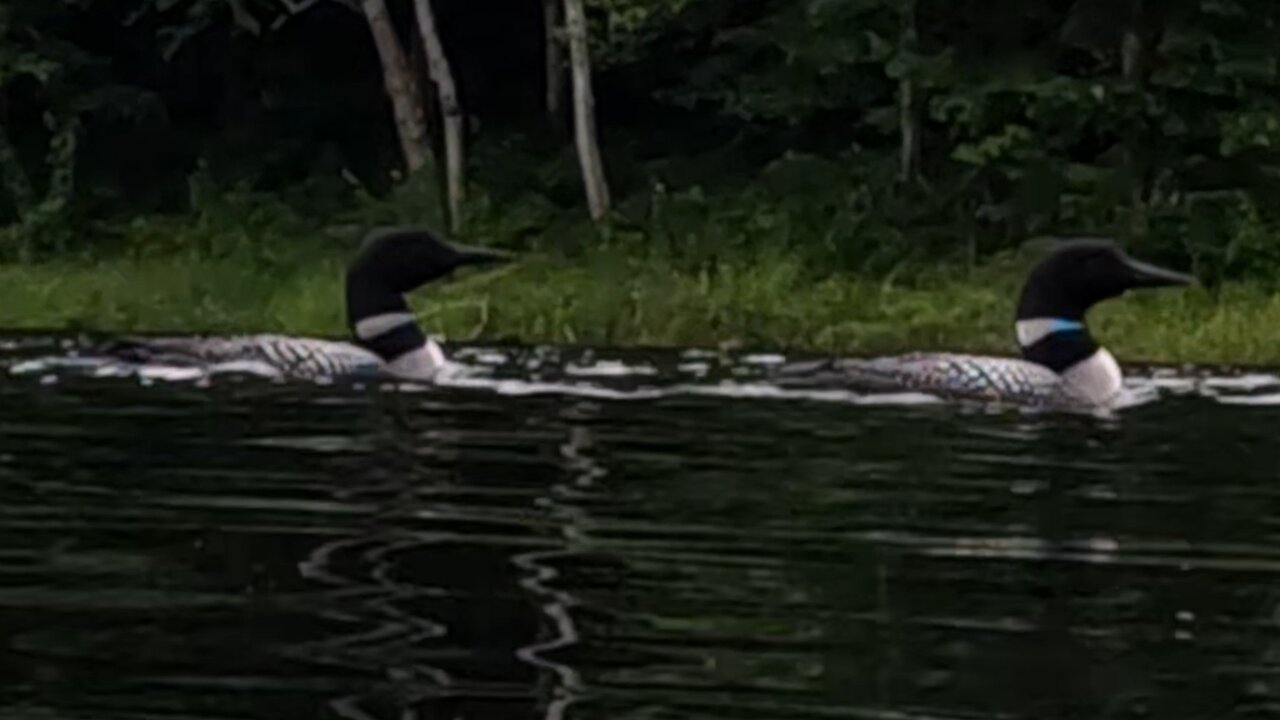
(250, 549)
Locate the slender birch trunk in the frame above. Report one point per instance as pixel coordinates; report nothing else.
(554, 59)
(910, 131)
(584, 111)
(908, 120)
(406, 101)
(450, 109)
(1132, 57)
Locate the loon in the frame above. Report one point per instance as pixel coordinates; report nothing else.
(391, 262)
(1062, 365)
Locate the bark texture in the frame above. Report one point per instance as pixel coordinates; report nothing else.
(450, 109)
(406, 101)
(584, 113)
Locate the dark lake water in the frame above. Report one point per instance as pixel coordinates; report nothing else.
(647, 536)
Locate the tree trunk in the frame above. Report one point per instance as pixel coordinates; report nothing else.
(910, 131)
(1132, 61)
(16, 182)
(584, 114)
(1131, 55)
(554, 59)
(401, 88)
(450, 109)
(61, 160)
(908, 122)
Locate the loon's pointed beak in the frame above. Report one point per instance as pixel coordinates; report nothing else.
(471, 255)
(1146, 275)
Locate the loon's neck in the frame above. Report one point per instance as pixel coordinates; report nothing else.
(1055, 342)
(1065, 346)
(396, 338)
(388, 334)
(382, 323)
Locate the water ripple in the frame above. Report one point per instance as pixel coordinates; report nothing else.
(584, 534)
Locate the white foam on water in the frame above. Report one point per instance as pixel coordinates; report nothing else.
(1170, 383)
(1136, 394)
(774, 392)
(609, 368)
(745, 391)
(899, 399)
(1257, 400)
(763, 359)
(483, 356)
(615, 379)
(455, 369)
(1247, 383)
(524, 387)
(112, 368)
(40, 365)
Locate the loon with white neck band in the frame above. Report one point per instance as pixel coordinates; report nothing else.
(1062, 364)
(387, 339)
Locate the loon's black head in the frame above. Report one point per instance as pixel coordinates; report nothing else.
(1060, 290)
(390, 263)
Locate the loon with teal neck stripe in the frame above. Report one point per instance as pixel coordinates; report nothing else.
(1061, 365)
(387, 339)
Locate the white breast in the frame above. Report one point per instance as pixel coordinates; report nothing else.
(1096, 379)
(420, 364)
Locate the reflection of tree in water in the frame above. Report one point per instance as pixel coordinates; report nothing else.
(740, 558)
(972, 565)
(559, 683)
(457, 588)
(424, 598)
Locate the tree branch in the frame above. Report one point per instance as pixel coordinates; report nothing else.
(297, 7)
(244, 18)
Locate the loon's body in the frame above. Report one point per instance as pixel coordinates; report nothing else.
(979, 377)
(1061, 364)
(294, 357)
(387, 339)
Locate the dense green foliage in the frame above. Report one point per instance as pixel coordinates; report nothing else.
(731, 129)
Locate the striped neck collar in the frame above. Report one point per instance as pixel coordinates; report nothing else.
(1033, 330)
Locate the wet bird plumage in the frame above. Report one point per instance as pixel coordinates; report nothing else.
(390, 263)
(961, 376)
(1062, 365)
(294, 357)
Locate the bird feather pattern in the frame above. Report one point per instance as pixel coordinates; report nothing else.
(959, 375)
(294, 357)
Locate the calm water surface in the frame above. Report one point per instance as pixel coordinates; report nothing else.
(645, 536)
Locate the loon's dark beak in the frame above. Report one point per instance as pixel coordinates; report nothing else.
(1146, 275)
(469, 255)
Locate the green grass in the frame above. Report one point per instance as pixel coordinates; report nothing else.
(614, 298)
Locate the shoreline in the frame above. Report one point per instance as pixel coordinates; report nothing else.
(619, 300)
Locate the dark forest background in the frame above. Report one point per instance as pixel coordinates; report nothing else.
(862, 134)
